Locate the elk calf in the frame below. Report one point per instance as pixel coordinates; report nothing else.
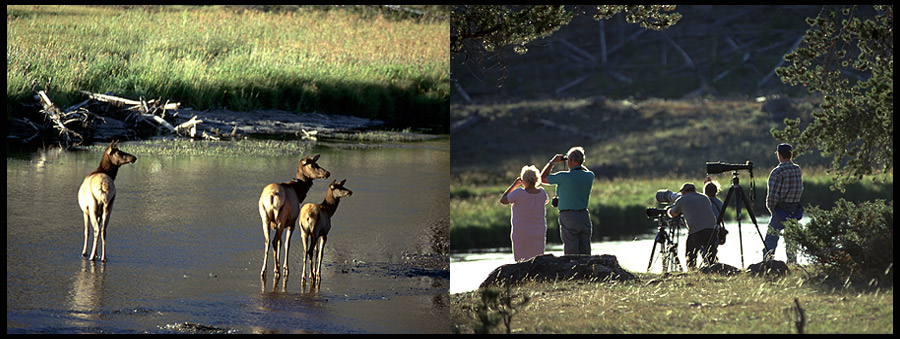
(315, 222)
(97, 194)
(279, 206)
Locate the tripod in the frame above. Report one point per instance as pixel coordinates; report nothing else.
(668, 249)
(739, 198)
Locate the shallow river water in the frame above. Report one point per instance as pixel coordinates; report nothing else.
(186, 245)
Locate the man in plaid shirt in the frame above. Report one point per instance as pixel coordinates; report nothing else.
(783, 201)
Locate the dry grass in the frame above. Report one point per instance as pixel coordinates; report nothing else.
(691, 303)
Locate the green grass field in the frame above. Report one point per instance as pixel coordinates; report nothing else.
(306, 60)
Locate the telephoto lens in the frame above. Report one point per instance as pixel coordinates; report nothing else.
(667, 196)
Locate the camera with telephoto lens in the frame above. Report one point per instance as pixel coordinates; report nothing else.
(715, 167)
(654, 213)
(667, 196)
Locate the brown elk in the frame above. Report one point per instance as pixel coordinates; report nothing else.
(279, 206)
(97, 194)
(315, 222)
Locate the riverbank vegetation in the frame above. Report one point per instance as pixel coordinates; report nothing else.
(692, 303)
(337, 60)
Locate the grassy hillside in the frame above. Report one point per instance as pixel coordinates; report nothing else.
(622, 138)
(332, 61)
(714, 50)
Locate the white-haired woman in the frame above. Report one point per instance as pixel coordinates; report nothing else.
(529, 224)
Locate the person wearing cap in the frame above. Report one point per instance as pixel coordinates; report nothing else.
(785, 186)
(701, 222)
(573, 187)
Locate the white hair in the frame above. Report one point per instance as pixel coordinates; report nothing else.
(530, 174)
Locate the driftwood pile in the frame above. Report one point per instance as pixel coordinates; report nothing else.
(105, 117)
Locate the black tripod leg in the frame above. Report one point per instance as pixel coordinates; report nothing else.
(649, 264)
(725, 206)
(753, 218)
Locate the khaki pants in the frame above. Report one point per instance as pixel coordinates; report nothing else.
(575, 231)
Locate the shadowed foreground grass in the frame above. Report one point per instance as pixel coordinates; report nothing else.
(690, 303)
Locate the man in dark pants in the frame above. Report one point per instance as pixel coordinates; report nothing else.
(785, 186)
(701, 222)
(573, 187)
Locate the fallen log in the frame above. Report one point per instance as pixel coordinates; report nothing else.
(125, 101)
(190, 127)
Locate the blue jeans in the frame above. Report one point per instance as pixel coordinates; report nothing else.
(775, 229)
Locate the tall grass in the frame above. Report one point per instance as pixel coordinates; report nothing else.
(212, 56)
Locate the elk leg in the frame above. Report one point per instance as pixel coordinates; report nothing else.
(303, 238)
(287, 245)
(86, 234)
(104, 222)
(262, 273)
(321, 251)
(276, 244)
(95, 220)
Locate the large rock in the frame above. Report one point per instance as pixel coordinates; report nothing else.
(548, 267)
(772, 267)
(720, 268)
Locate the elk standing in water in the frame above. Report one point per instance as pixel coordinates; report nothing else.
(279, 206)
(315, 222)
(97, 194)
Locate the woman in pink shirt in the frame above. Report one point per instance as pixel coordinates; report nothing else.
(529, 225)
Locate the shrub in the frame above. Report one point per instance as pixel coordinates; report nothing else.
(850, 240)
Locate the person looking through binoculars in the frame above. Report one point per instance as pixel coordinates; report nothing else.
(573, 187)
(701, 222)
(783, 201)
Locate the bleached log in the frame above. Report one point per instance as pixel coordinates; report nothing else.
(190, 126)
(573, 83)
(580, 51)
(159, 121)
(125, 101)
(463, 93)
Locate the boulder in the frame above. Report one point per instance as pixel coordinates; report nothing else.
(774, 267)
(548, 267)
(720, 268)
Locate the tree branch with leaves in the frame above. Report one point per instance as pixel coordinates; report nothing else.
(480, 32)
(848, 58)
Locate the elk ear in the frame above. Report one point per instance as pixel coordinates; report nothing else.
(315, 157)
(303, 160)
(343, 181)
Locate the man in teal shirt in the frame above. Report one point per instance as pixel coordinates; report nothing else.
(573, 187)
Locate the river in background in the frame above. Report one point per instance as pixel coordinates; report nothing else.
(467, 271)
(186, 245)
